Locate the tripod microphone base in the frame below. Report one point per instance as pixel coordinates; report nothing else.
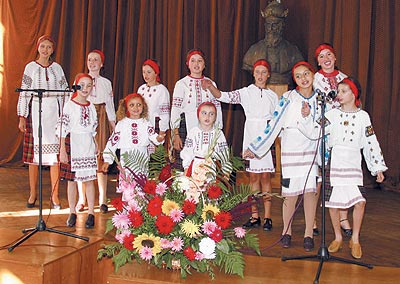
(323, 255)
(41, 226)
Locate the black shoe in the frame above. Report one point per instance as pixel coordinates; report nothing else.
(308, 243)
(71, 221)
(346, 232)
(286, 241)
(89, 221)
(30, 205)
(253, 222)
(103, 208)
(315, 231)
(268, 224)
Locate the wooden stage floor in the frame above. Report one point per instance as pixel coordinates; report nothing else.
(48, 257)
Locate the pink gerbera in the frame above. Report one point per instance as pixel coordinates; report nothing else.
(177, 244)
(165, 243)
(176, 215)
(239, 232)
(161, 188)
(208, 227)
(146, 253)
(120, 221)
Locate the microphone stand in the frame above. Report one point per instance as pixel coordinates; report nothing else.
(323, 253)
(41, 225)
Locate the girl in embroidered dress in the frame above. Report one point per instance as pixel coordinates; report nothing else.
(103, 99)
(327, 79)
(157, 98)
(132, 132)
(79, 120)
(258, 103)
(202, 145)
(43, 73)
(298, 152)
(187, 96)
(350, 130)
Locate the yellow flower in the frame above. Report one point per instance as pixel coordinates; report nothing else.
(150, 241)
(209, 211)
(190, 229)
(168, 205)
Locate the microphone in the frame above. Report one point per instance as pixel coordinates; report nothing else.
(332, 95)
(319, 92)
(76, 87)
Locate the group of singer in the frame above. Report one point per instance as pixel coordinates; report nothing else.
(81, 133)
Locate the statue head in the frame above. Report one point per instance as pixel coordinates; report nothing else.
(275, 16)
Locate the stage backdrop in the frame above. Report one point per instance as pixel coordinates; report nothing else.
(363, 32)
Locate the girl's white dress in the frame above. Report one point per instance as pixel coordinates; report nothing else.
(258, 105)
(298, 152)
(80, 121)
(351, 133)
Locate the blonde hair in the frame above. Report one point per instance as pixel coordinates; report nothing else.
(122, 111)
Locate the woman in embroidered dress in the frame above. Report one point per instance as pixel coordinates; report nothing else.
(298, 152)
(350, 131)
(187, 96)
(133, 132)
(157, 98)
(327, 79)
(43, 73)
(258, 103)
(103, 99)
(79, 120)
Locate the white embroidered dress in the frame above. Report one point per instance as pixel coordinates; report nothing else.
(80, 121)
(258, 105)
(349, 134)
(187, 96)
(102, 93)
(51, 77)
(298, 152)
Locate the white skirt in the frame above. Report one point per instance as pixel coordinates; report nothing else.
(298, 186)
(263, 165)
(344, 197)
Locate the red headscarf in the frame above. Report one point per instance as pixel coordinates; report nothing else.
(205, 104)
(154, 66)
(354, 89)
(78, 77)
(43, 38)
(191, 53)
(128, 98)
(262, 62)
(321, 47)
(302, 63)
(99, 52)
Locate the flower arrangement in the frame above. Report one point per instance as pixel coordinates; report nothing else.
(178, 222)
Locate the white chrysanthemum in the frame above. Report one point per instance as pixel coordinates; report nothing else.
(207, 248)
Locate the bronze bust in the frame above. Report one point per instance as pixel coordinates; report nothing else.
(280, 53)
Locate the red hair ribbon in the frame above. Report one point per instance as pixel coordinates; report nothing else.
(205, 104)
(43, 38)
(262, 62)
(78, 77)
(154, 66)
(354, 89)
(193, 53)
(302, 63)
(321, 47)
(99, 52)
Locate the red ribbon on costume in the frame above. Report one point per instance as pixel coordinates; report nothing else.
(154, 66)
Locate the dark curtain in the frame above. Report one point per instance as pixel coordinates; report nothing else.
(363, 32)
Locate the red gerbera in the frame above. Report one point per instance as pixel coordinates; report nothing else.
(154, 206)
(164, 224)
(136, 218)
(165, 174)
(214, 191)
(189, 207)
(128, 242)
(189, 253)
(223, 219)
(216, 235)
(117, 203)
(150, 187)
